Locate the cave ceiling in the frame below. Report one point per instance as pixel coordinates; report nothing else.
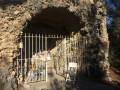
(54, 21)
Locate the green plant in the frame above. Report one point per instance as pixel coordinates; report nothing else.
(112, 57)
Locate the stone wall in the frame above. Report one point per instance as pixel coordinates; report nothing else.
(14, 18)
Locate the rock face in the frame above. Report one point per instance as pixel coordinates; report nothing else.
(15, 16)
(8, 81)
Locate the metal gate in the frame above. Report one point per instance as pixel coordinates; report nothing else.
(33, 58)
(36, 56)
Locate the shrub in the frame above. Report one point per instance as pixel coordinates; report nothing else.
(112, 57)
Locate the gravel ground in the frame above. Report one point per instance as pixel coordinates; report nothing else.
(56, 82)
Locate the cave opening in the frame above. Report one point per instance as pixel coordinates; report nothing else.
(46, 30)
(51, 21)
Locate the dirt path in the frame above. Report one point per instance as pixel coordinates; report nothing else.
(56, 82)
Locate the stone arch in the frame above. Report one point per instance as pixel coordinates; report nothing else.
(14, 19)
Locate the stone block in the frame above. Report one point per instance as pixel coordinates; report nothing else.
(10, 60)
(13, 73)
(9, 18)
(16, 12)
(5, 25)
(15, 23)
(27, 15)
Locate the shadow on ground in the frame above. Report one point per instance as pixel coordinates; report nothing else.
(82, 83)
(86, 84)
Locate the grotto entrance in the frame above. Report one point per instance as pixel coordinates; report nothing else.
(51, 35)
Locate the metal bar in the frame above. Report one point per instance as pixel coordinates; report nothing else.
(42, 43)
(39, 42)
(39, 52)
(42, 51)
(70, 49)
(17, 68)
(54, 36)
(46, 54)
(68, 53)
(21, 66)
(42, 47)
(36, 59)
(32, 56)
(75, 47)
(29, 51)
(62, 36)
(25, 57)
(56, 43)
(48, 35)
(65, 56)
(36, 43)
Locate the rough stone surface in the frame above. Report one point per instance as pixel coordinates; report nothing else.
(13, 19)
(8, 81)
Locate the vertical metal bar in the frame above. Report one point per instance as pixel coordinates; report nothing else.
(32, 44)
(52, 36)
(42, 43)
(75, 47)
(60, 36)
(36, 59)
(70, 48)
(65, 55)
(36, 43)
(46, 42)
(46, 55)
(25, 57)
(17, 68)
(56, 43)
(32, 56)
(21, 66)
(39, 52)
(49, 35)
(77, 51)
(39, 42)
(42, 51)
(29, 50)
(42, 47)
(68, 52)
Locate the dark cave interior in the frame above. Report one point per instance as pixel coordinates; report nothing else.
(59, 21)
